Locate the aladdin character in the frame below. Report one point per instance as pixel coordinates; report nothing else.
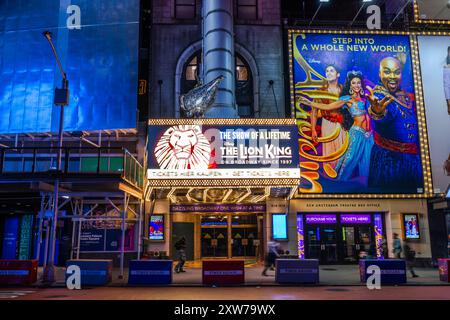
(330, 119)
(355, 160)
(395, 160)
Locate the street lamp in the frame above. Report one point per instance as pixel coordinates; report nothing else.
(61, 98)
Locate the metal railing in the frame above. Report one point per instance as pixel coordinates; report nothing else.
(73, 160)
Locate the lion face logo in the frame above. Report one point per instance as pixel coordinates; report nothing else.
(183, 147)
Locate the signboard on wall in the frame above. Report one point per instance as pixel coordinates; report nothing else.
(279, 226)
(26, 236)
(435, 69)
(97, 42)
(345, 146)
(204, 150)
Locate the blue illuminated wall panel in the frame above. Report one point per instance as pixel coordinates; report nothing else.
(100, 58)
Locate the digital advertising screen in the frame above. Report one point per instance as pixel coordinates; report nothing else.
(202, 150)
(411, 226)
(97, 42)
(431, 11)
(435, 68)
(355, 106)
(279, 226)
(156, 227)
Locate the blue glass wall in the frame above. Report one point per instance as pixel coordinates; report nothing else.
(100, 59)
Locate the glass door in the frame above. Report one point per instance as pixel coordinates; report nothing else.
(329, 245)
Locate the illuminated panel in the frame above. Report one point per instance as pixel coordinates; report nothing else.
(310, 52)
(199, 151)
(356, 218)
(97, 42)
(300, 237)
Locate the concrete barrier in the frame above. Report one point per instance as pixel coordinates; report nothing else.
(393, 271)
(150, 272)
(297, 271)
(223, 272)
(18, 272)
(93, 272)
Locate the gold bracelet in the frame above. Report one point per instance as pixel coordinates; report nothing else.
(376, 116)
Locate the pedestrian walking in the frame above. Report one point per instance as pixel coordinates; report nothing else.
(397, 246)
(410, 257)
(271, 256)
(180, 246)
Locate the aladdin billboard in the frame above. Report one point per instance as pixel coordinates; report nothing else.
(97, 42)
(199, 150)
(354, 100)
(435, 67)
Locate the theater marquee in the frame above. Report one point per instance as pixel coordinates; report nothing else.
(232, 152)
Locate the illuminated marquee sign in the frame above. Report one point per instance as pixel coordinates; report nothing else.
(202, 150)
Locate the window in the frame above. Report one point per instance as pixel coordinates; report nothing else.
(185, 9)
(247, 9)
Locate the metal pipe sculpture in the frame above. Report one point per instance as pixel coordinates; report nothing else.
(197, 101)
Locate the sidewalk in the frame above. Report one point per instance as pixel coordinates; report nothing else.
(330, 275)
